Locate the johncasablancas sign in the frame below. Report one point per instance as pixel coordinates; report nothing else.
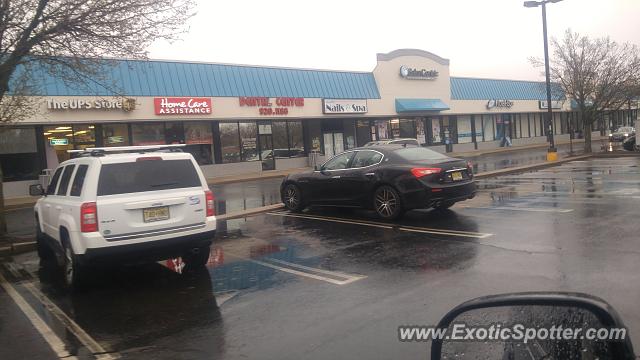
(182, 106)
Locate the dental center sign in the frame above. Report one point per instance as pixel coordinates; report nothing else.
(182, 106)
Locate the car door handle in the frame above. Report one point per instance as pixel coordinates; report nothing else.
(336, 177)
(369, 174)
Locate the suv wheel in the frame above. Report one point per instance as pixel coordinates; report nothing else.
(387, 203)
(292, 198)
(198, 259)
(72, 271)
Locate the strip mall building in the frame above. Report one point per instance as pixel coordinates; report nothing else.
(241, 119)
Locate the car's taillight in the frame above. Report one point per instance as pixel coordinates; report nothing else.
(208, 195)
(89, 217)
(420, 172)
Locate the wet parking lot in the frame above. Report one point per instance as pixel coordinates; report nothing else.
(335, 283)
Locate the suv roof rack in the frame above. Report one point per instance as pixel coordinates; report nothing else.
(102, 151)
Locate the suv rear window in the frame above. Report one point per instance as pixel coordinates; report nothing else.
(148, 175)
(419, 153)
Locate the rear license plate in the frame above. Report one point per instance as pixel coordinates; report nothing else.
(155, 214)
(456, 176)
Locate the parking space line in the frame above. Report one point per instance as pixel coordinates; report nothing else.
(348, 278)
(322, 271)
(423, 230)
(96, 349)
(54, 342)
(515, 208)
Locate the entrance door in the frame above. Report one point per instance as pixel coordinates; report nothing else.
(333, 144)
(266, 152)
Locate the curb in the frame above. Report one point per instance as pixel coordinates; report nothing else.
(17, 248)
(527, 168)
(250, 212)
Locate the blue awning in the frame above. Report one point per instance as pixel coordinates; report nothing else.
(415, 105)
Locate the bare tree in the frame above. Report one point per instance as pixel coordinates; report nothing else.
(70, 40)
(600, 75)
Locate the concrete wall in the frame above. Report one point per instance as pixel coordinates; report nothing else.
(284, 164)
(488, 145)
(16, 189)
(529, 141)
(231, 169)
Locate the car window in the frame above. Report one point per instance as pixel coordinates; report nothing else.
(54, 182)
(366, 158)
(419, 153)
(78, 180)
(339, 162)
(64, 180)
(149, 175)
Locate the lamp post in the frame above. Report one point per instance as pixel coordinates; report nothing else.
(552, 153)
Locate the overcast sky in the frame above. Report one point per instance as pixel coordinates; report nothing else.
(482, 38)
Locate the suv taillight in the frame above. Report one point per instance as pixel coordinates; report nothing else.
(208, 196)
(89, 217)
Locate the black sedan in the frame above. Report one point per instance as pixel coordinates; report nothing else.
(389, 179)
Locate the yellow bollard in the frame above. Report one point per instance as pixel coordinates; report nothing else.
(552, 156)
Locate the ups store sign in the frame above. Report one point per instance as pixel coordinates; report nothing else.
(124, 104)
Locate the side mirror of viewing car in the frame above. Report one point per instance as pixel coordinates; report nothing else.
(36, 190)
(547, 325)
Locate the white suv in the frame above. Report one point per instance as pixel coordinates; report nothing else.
(125, 205)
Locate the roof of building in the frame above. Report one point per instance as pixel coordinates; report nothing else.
(173, 78)
(463, 88)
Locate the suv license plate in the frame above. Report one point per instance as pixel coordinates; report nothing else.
(155, 214)
(456, 176)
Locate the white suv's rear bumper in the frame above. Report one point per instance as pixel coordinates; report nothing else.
(168, 243)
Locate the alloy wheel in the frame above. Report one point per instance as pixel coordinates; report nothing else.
(291, 197)
(386, 202)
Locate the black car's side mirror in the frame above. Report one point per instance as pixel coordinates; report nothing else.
(36, 190)
(533, 325)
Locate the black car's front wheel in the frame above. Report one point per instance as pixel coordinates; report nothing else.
(387, 203)
(292, 198)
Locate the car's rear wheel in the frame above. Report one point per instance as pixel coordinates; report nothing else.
(387, 203)
(73, 272)
(196, 259)
(292, 198)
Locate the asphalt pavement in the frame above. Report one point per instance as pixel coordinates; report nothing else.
(337, 283)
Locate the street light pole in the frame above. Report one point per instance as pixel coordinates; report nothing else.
(552, 145)
(552, 152)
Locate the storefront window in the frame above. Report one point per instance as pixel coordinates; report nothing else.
(383, 129)
(148, 134)
(349, 133)
(407, 128)
(19, 154)
(58, 139)
(363, 132)
(199, 140)
(296, 139)
(174, 133)
(248, 134)
(115, 134)
(84, 134)
(314, 129)
(436, 135)
(421, 134)
(230, 142)
(524, 126)
(464, 129)
(488, 125)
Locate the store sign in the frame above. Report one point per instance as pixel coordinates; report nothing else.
(268, 106)
(54, 141)
(554, 104)
(331, 106)
(127, 104)
(418, 74)
(182, 106)
(501, 104)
